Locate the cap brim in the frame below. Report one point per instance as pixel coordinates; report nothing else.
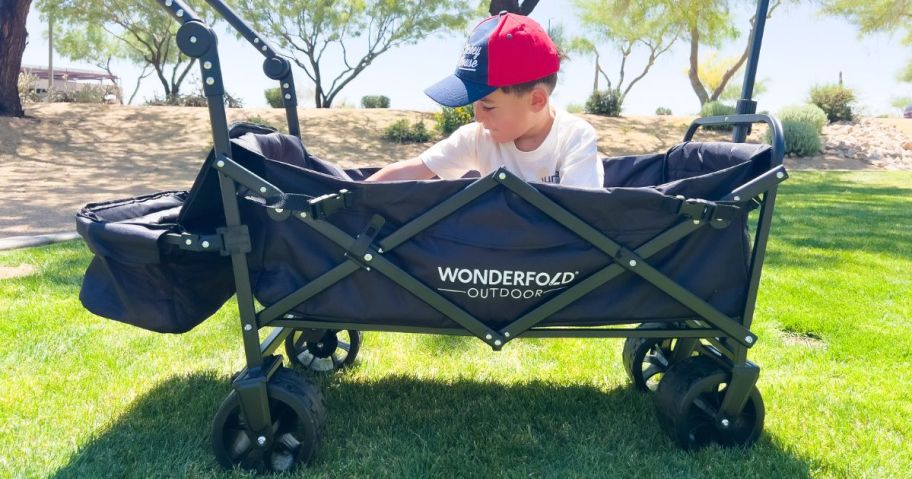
(453, 91)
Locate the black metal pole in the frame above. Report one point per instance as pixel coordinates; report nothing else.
(275, 67)
(746, 105)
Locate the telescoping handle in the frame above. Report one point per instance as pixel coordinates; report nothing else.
(778, 138)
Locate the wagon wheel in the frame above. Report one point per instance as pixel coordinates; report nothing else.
(646, 359)
(323, 349)
(298, 419)
(688, 398)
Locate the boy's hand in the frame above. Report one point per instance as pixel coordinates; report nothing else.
(413, 169)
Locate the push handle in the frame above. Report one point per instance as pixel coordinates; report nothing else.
(778, 138)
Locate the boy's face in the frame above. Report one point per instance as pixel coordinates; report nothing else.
(508, 116)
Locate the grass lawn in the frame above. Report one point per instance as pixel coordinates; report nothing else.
(82, 396)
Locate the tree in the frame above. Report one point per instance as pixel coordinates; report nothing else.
(98, 31)
(307, 30)
(874, 16)
(625, 25)
(712, 71)
(13, 35)
(709, 23)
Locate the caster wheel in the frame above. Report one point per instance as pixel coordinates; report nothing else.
(646, 359)
(298, 418)
(323, 350)
(688, 398)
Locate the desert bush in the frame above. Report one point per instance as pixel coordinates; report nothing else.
(375, 101)
(836, 101)
(26, 85)
(808, 113)
(717, 108)
(662, 111)
(274, 97)
(605, 103)
(801, 138)
(402, 132)
(449, 119)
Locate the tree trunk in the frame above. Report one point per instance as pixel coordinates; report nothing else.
(13, 35)
(694, 72)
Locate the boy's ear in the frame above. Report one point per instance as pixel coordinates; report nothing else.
(538, 98)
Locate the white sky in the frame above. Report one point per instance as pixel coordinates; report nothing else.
(801, 48)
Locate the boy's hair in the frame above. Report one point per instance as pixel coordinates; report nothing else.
(549, 82)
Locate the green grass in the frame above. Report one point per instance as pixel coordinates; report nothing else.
(82, 396)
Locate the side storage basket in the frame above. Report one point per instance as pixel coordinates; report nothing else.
(139, 279)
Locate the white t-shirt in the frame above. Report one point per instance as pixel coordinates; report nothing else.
(568, 155)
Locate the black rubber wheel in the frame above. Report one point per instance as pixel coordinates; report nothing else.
(298, 419)
(323, 350)
(646, 359)
(688, 398)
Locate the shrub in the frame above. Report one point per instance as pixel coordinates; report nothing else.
(809, 113)
(605, 103)
(575, 108)
(662, 111)
(402, 132)
(193, 100)
(449, 119)
(26, 86)
(801, 138)
(375, 101)
(274, 97)
(835, 100)
(717, 108)
(258, 120)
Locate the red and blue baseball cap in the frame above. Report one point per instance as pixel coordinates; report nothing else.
(503, 50)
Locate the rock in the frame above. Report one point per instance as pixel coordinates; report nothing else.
(907, 146)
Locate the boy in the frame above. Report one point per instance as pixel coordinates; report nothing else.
(508, 69)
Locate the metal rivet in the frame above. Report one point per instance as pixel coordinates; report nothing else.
(261, 440)
(725, 423)
(319, 345)
(497, 343)
(168, 3)
(368, 257)
(749, 340)
(256, 40)
(696, 222)
(210, 80)
(488, 337)
(220, 163)
(780, 175)
(737, 198)
(502, 176)
(633, 262)
(285, 85)
(726, 118)
(303, 214)
(279, 210)
(192, 39)
(507, 334)
(205, 244)
(288, 96)
(180, 13)
(262, 189)
(380, 250)
(188, 242)
(247, 327)
(264, 48)
(207, 65)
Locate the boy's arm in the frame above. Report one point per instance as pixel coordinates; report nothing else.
(413, 169)
(582, 165)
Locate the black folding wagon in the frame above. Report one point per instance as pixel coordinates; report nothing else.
(663, 256)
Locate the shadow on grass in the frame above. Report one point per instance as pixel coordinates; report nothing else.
(406, 427)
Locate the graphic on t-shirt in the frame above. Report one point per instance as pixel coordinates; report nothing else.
(555, 178)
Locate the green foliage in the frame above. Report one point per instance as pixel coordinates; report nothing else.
(274, 97)
(375, 101)
(717, 108)
(448, 120)
(82, 94)
(193, 100)
(575, 108)
(258, 120)
(605, 103)
(402, 132)
(801, 137)
(900, 103)
(663, 111)
(353, 33)
(836, 100)
(809, 113)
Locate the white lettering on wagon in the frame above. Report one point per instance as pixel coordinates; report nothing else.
(494, 283)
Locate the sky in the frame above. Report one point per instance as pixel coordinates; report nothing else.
(801, 48)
